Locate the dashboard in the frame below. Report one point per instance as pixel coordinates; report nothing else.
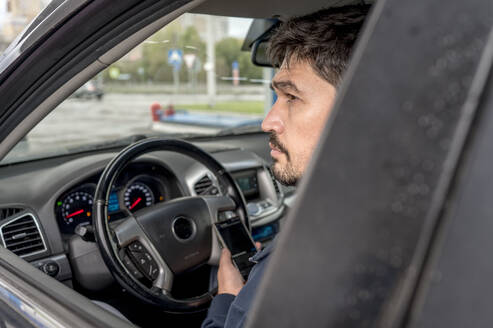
(139, 186)
(52, 197)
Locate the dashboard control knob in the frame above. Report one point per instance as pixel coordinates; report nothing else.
(253, 209)
(86, 232)
(51, 268)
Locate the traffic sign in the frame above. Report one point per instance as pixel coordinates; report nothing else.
(189, 60)
(175, 58)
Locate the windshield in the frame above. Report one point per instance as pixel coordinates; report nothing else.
(191, 78)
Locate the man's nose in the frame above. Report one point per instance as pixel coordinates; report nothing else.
(273, 122)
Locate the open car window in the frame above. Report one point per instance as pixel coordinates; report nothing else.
(191, 78)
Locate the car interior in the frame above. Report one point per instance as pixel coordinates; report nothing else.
(49, 204)
(74, 184)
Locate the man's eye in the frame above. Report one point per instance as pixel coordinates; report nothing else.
(291, 97)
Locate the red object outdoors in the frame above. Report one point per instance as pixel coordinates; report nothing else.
(155, 111)
(170, 110)
(236, 77)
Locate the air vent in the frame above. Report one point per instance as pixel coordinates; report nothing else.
(274, 181)
(8, 212)
(202, 185)
(22, 236)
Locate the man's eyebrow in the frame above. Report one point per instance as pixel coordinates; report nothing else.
(284, 86)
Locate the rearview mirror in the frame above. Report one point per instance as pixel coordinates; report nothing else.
(259, 53)
(257, 40)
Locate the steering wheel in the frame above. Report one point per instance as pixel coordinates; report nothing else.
(148, 248)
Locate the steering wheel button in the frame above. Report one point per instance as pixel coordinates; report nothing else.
(141, 260)
(148, 256)
(136, 247)
(131, 267)
(154, 271)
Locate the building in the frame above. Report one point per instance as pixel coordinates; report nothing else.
(15, 15)
(220, 25)
(220, 28)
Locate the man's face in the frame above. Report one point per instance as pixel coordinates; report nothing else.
(296, 120)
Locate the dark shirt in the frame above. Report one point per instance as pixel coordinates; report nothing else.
(229, 311)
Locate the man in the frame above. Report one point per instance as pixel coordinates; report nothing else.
(312, 52)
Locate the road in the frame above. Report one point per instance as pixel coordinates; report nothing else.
(79, 121)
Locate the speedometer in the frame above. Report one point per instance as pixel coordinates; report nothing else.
(76, 208)
(137, 196)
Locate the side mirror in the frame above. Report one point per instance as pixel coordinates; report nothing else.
(259, 53)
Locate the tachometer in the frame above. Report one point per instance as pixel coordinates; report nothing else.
(138, 196)
(77, 208)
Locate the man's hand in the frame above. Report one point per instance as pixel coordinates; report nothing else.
(229, 279)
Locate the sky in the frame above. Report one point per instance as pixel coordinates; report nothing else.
(238, 27)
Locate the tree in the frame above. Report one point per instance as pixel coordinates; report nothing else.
(153, 65)
(228, 50)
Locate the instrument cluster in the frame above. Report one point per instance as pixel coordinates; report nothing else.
(137, 187)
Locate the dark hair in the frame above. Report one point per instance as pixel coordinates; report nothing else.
(324, 39)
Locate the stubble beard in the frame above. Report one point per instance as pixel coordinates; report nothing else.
(287, 175)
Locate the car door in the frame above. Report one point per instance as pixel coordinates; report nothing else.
(30, 298)
(55, 55)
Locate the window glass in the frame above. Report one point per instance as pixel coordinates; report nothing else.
(15, 16)
(190, 78)
(9, 312)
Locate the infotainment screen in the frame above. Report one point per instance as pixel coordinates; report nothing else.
(247, 181)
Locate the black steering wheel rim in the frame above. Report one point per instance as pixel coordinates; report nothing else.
(106, 240)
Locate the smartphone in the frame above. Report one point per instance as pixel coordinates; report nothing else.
(234, 235)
